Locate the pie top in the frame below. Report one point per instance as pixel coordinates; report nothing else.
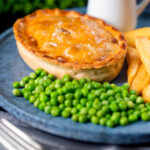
(70, 39)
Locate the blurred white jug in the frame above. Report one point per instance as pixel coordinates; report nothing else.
(122, 14)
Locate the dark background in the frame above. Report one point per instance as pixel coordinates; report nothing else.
(10, 10)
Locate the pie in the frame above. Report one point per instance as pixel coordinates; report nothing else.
(66, 42)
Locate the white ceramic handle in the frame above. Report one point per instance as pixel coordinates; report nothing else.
(142, 6)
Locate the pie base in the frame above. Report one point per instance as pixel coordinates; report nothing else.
(105, 73)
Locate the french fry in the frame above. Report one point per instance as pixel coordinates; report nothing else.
(134, 62)
(141, 80)
(130, 35)
(146, 93)
(143, 47)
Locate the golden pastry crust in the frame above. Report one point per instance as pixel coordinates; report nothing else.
(71, 40)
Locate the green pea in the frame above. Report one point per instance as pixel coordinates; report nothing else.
(123, 121)
(43, 73)
(132, 118)
(97, 105)
(33, 75)
(110, 99)
(130, 104)
(74, 110)
(69, 96)
(54, 101)
(47, 109)
(68, 103)
(139, 100)
(82, 118)
(38, 71)
(125, 93)
(82, 81)
(130, 111)
(89, 104)
(16, 92)
(60, 98)
(26, 79)
(65, 113)
(62, 107)
(22, 91)
(133, 92)
(145, 116)
(46, 83)
(92, 111)
(66, 89)
(122, 105)
(55, 111)
(100, 113)
(32, 81)
(117, 89)
(30, 86)
(47, 90)
(51, 76)
(133, 97)
(59, 81)
(85, 92)
(60, 91)
(118, 95)
(36, 103)
(113, 85)
(115, 118)
(110, 93)
(107, 85)
(96, 85)
(123, 113)
(75, 118)
(66, 78)
(94, 120)
(103, 96)
(75, 102)
(113, 107)
(105, 102)
(32, 98)
(84, 111)
(43, 97)
(41, 106)
(39, 89)
(88, 85)
(105, 109)
(102, 121)
(137, 113)
(79, 106)
(48, 103)
(22, 83)
(16, 84)
(110, 123)
(27, 94)
(54, 94)
(126, 86)
(98, 92)
(91, 96)
(78, 94)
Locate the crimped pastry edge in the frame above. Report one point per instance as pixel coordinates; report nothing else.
(105, 73)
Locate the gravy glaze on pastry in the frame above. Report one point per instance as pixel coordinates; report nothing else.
(66, 42)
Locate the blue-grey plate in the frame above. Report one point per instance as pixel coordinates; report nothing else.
(13, 68)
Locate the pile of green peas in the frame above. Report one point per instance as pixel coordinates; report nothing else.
(83, 100)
